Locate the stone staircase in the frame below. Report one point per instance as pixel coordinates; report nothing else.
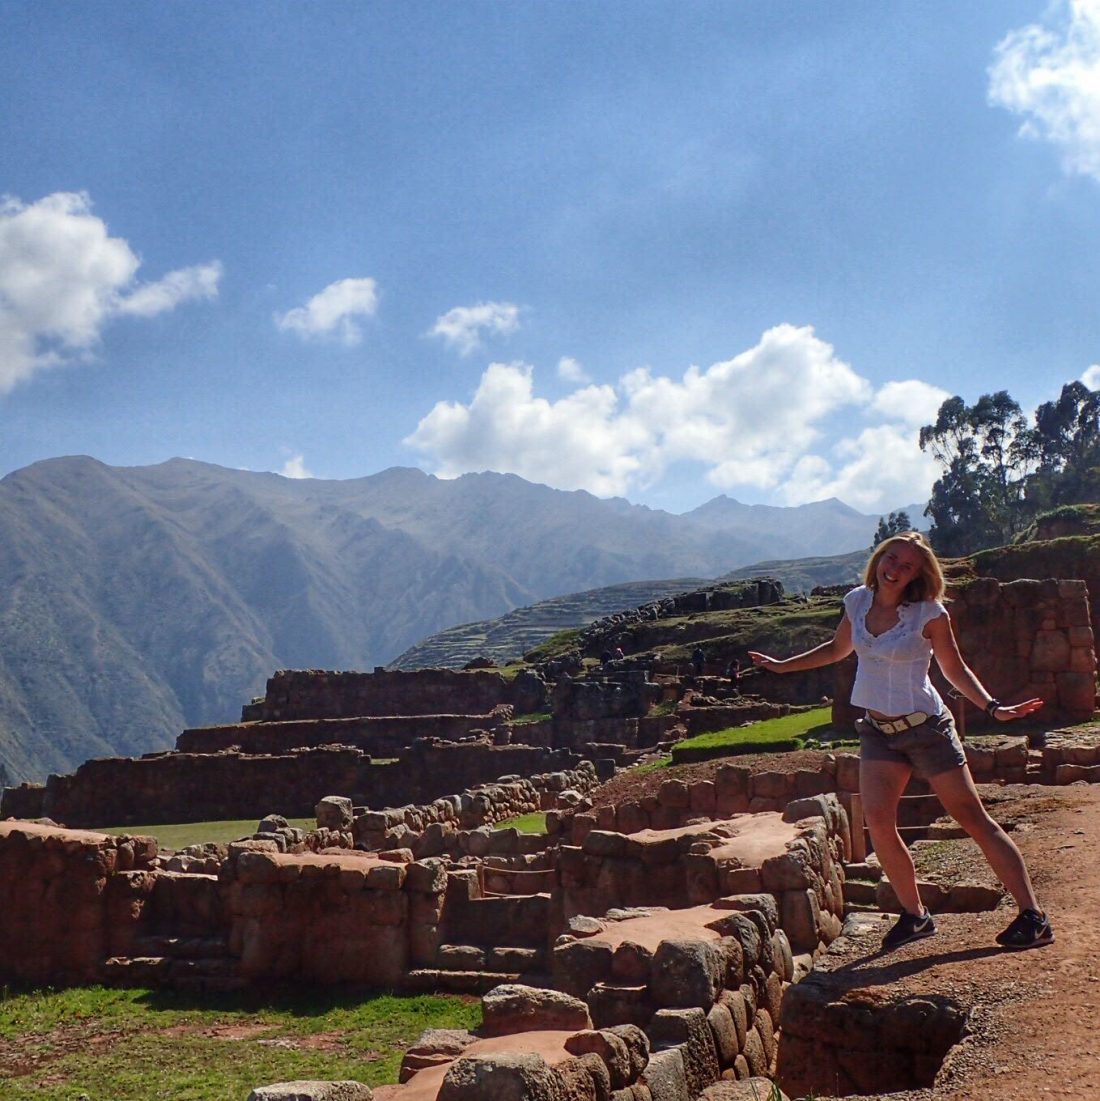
(199, 963)
(473, 969)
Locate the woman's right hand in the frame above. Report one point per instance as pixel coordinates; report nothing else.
(763, 661)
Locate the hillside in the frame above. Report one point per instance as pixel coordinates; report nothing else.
(520, 631)
(137, 601)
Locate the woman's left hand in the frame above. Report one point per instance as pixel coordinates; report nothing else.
(1007, 712)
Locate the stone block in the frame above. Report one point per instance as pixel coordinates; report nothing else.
(665, 1077)
(611, 1048)
(801, 919)
(739, 881)
(688, 1031)
(703, 797)
(701, 877)
(616, 1005)
(761, 902)
(502, 1076)
(744, 930)
(312, 1091)
(427, 876)
(631, 963)
(631, 818)
(732, 780)
(674, 793)
(334, 812)
(513, 1008)
(726, 1046)
(686, 973)
(579, 965)
(386, 877)
(603, 843)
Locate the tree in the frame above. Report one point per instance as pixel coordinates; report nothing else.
(1065, 446)
(986, 450)
(891, 525)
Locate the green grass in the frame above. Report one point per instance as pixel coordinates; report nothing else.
(535, 822)
(141, 1045)
(532, 717)
(652, 766)
(180, 835)
(788, 732)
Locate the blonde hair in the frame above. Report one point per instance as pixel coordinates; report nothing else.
(927, 585)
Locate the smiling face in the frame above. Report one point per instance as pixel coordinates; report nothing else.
(898, 566)
(905, 566)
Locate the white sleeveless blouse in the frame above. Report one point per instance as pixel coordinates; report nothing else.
(892, 675)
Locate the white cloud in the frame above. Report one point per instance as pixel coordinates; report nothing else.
(295, 467)
(572, 370)
(333, 311)
(880, 468)
(1051, 76)
(464, 326)
(174, 288)
(63, 278)
(912, 402)
(756, 420)
(1091, 377)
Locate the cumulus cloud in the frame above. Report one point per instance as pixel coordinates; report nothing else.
(571, 370)
(1091, 377)
(464, 327)
(295, 467)
(333, 312)
(882, 467)
(1050, 74)
(911, 402)
(757, 420)
(63, 278)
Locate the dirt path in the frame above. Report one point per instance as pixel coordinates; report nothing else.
(1035, 1015)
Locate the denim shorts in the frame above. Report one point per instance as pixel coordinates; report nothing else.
(930, 748)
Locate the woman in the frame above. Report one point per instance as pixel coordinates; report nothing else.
(895, 621)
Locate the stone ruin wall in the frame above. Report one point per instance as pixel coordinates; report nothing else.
(381, 736)
(316, 694)
(72, 899)
(194, 787)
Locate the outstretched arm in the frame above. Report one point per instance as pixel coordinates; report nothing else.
(951, 664)
(838, 647)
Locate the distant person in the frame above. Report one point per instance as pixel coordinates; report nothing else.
(698, 660)
(895, 622)
(733, 671)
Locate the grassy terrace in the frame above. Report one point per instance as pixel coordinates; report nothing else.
(789, 732)
(199, 833)
(138, 1045)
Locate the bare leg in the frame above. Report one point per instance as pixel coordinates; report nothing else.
(881, 784)
(959, 796)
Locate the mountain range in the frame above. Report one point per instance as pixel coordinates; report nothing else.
(136, 601)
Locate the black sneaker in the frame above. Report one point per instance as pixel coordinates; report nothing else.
(908, 927)
(1029, 929)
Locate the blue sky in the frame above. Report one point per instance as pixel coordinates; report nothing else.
(660, 250)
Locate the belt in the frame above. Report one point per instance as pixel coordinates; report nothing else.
(896, 726)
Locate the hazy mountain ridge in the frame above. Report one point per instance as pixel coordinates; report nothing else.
(140, 600)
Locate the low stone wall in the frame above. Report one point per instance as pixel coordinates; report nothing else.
(57, 912)
(193, 787)
(383, 736)
(332, 918)
(763, 853)
(455, 825)
(321, 694)
(610, 694)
